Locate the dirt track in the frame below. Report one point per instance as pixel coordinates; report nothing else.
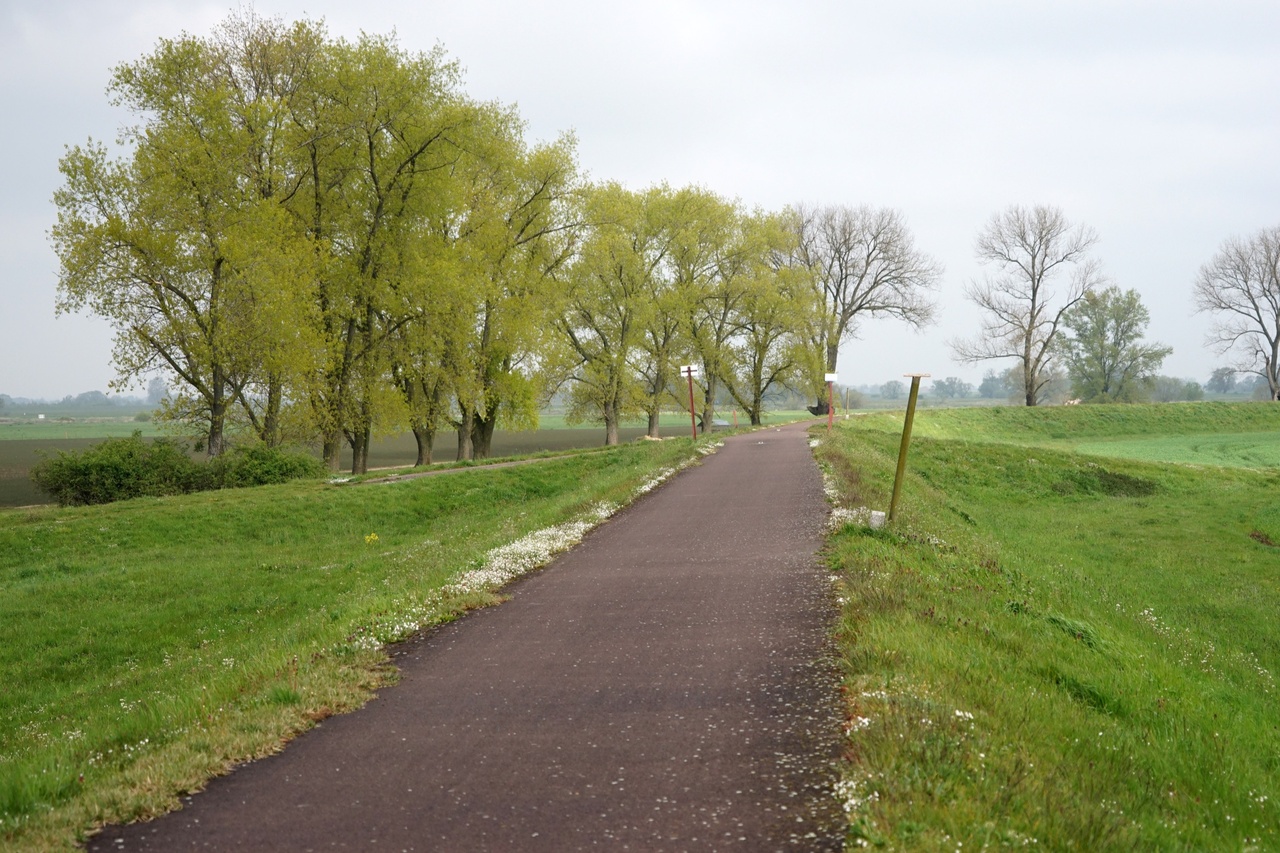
(660, 687)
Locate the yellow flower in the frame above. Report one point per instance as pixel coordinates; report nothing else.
(371, 538)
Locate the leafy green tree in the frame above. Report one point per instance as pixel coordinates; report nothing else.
(768, 346)
(1024, 301)
(607, 303)
(177, 242)
(518, 227)
(663, 342)
(1171, 389)
(709, 260)
(1105, 354)
(379, 135)
(994, 385)
(950, 388)
(1223, 380)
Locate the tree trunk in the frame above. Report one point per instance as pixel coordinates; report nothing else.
(654, 430)
(708, 406)
(332, 449)
(465, 450)
(271, 418)
(426, 438)
(360, 449)
(482, 427)
(833, 355)
(217, 425)
(610, 425)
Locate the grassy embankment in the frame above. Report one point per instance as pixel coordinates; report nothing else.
(147, 645)
(1058, 650)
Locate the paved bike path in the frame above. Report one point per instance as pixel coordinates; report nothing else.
(662, 686)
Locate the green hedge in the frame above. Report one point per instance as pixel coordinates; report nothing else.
(121, 468)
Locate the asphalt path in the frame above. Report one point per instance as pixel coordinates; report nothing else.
(665, 685)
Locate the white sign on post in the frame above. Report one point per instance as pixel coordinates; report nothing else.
(832, 377)
(688, 370)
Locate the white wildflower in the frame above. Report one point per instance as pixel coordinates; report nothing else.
(860, 517)
(857, 724)
(852, 796)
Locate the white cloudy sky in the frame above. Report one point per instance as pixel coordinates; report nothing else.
(1157, 122)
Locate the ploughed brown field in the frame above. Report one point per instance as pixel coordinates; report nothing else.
(17, 456)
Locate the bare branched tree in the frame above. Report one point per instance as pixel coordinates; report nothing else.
(864, 263)
(1042, 268)
(1242, 283)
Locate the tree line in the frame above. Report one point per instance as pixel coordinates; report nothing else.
(1047, 306)
(317, 239)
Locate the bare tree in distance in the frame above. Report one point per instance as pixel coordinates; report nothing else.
(1242, 283)
(863, 262)
(1042, 268)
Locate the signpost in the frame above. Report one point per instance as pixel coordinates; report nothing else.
(831, 398)
(690, 371)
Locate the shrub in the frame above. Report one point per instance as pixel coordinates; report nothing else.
(259, 465)
(121, 468)
(118, 469)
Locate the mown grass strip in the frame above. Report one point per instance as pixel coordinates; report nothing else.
(147, 645)
(1056, 651)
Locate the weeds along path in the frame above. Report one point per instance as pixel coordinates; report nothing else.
(663, 686)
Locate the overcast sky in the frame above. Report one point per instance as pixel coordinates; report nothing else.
(1156, 123)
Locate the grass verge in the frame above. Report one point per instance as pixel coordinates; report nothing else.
(1051, 650)
(148, 645)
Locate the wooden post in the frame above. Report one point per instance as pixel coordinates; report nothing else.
(906, 441)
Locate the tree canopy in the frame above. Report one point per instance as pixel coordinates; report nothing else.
(315, 239)
(1107, 359)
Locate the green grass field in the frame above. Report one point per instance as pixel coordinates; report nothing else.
(1052, 648)
(149, 644)
(1242, 449)
(1057, 650)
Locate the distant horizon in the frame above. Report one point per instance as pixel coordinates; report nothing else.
(862, 387)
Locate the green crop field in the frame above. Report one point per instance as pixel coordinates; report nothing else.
(1060, 650)
(1246, 449)
(64, 429)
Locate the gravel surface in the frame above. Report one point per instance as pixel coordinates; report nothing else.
(666, 685)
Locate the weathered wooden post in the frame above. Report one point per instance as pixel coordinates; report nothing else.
(906, 441)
